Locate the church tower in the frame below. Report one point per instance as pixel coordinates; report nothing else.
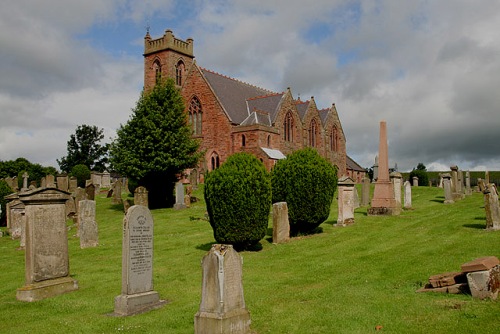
(166, 57)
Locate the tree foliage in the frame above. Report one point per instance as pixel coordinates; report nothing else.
(421, 172)
(238, 197)
(156, 144)
(17, 168)
(82, 174)
(84, 148)
(307, 183)
(4, 191)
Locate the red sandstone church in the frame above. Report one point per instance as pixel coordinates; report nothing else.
(231, 116)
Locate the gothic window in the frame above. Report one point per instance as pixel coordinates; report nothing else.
(333, 139)
(157, 69)
(215, 161)
(269, 141)
(243, 140)
(179, 70)
(195, 116)
(288, 127)
(313, 128)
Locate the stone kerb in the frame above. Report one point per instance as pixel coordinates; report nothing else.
(281, 224)
(222, 308)
(345, 201)
(137, 295)
(47, 259)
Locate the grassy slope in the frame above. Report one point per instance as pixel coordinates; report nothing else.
(344, 280)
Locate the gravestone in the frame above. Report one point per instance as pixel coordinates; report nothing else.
(15, 186)
(481, 184)
(455, 184)
(486, 177)
(375, 169)
(222, 308)
(396, 183)
(17, 219)
(383, 201)
(460, 184)
(407, 186)
(415, 181)
(355, 197)
(47, 259)
(492, 207)
(193, 177)
(179, 196)
(73, 184)
(87, 224)
(50, 181)
(106, 180)
(25, 182)
(117, 192)
(141, 196)
(468, 190)
(62, 182)
(137, 294)
(281, 225)
(90, 191)
(43, 182)
(345, 201)
(440, 185)
(365, 192)
(448, 196)
(96, 178)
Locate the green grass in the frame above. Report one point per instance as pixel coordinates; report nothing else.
(343, 280)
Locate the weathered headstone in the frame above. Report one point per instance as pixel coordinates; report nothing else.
(481, 184)
(117, 192)
(141, 196)
(396, 183)
(492, 208)
(73, 184)
(460, 184)
(90, 191)
(47, 259)
(345, 201)
(87, 225)
(407, 199)
(50, 181)
(106, 180)
(222, 308)
(43, 182)
(365, 192)
(281, 225)
(483, 276)
(468, 190)
(137, 294)
(25, 182)
(455, 184)
(179, 196)
(448, 196)
(440, 185)
(415, 181)
(486, 177)
(383, 202)
(62, 182)
(375, 169)
(17, 219)
(96, 178)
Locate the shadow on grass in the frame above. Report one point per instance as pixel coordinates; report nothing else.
(116, 207)
(483, 218)
(437, 200)
(476, 226)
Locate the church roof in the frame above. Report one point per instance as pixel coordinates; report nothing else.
(233, 95)
(257, 117)
(353, 165)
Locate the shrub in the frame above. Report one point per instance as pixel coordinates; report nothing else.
(238, 198)
(423, 179)
(307, 183)
(4, 191)
(82, 174)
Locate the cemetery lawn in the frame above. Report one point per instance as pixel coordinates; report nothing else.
(343, 280)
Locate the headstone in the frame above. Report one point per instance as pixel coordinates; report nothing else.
(47, 259)
(106, 180)
(448, 196)
(281, 225)
(455, 185)
(345, 188)
(486, 177)
(87, 224)
(90, 192)
(187, 201)
(88, 182)
(481, 184)
(10, 182)
(222, 308)
(485, 284)
(15, 186)
(32, 185)
(179, 196)
(355, 197)
(96, 178)
(73, 184)
(492, 207)
(17, 219)
(126, 205)
(25, 182)
(460, 183)
(396, 183)
(117, 192)
(141, 196)
(375, 169)
(80, 195)
(62, 182)
(137, 293)
(50, 181)
(383, 201)
(407, 186)
(468, 190)
(43, 182)
(365, 192)
(415, 181)
(440, 185)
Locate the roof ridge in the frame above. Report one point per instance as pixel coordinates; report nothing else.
(239, 81)
(264, 96)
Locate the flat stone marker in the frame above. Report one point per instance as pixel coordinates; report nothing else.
(137, 264)
(87, 225)
(47, 259)
(281, 224)
(480, 264)
(222, 308)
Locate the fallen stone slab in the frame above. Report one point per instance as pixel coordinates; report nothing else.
(480, 264)
(453, 289)
(447, 279)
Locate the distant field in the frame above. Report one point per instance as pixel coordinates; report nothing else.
(343, 280)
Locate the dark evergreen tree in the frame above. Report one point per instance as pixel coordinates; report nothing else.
(156, 144)
(84, 148)
(421, 172)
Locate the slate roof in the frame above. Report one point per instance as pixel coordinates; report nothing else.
(268, 103)
(233, 95)
(323, 114)
(302, 108)
(353, 165)
(257, 117)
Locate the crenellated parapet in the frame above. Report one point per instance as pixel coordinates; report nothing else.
(168, 42)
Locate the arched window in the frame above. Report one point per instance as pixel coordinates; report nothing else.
(333, 139)
(288, 127)
(269, 141)
(215, 160)
(179, 70)
(195, 116)
(157, 69)
(243, 140)
(313, 128)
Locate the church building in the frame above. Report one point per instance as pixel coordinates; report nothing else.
(230, 116)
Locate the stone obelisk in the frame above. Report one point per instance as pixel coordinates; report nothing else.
(383, 201)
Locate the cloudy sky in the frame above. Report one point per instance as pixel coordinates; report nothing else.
(430, 69)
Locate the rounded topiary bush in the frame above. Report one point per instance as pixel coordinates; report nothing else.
(238, 198)
(82, 174)
(307, 183)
